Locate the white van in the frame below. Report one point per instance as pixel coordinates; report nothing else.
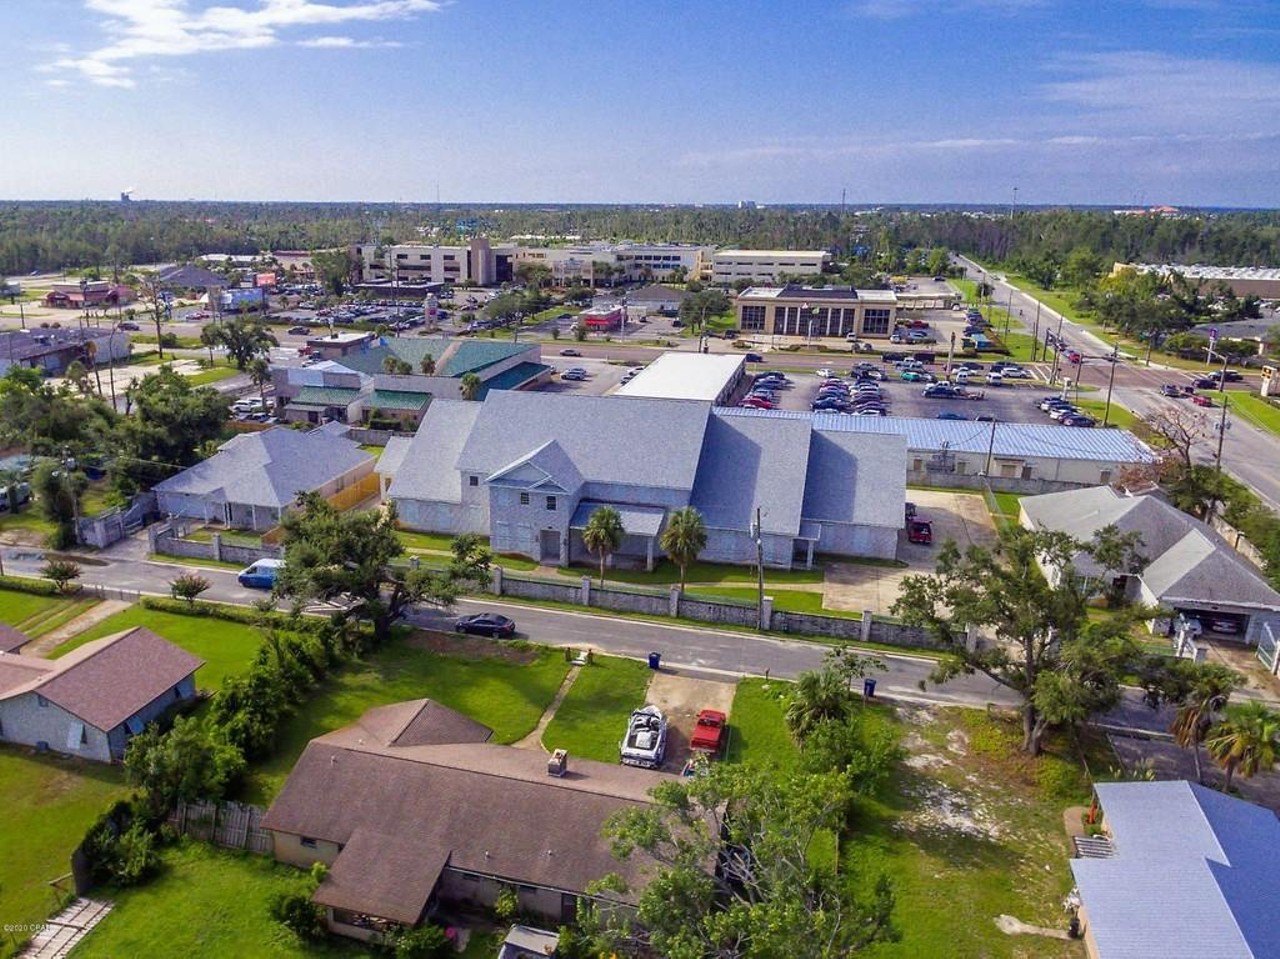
(961, 376)
(995, 379)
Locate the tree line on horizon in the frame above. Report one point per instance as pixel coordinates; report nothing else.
(103, 238)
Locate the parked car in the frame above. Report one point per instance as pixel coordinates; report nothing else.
(1228, 626)
(949, 415)
(825, 373)
(487, 624)
(261, 574)
(1078, 419)
(645, 743)
(920, 531)
(917, 376)
(708, 731)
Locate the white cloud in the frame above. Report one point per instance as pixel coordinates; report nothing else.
(146, 30)
(901, 9)
(347, 43)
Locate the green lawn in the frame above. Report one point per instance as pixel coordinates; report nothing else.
(1118, 416)
(205, 377)
(666, 573)
(1256, 410)
(36, 615)
(207, 902)
(593, 717)
(28, 520)
(507, 692)
(48, 804)
(756, 728)
(225, 647)
(376, 451)
(788, 600)
(428, 541)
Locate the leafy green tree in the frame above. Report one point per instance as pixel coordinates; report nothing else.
(394, 366)
(1044, 647)
(51, 420)
(189, 762)
(210, 339)
(61, 572)
(768, 898)
(333, 269)
(1200, 691)
(245, 339)
(427, 367)
(695, 308)
(78, 374)
(58, 490)
(603, 535)
(350, 557)
(259, 371)
(1245, 740)
(684, 538)
(171, 421)
(188, 586)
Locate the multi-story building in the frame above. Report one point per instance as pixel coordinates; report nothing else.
(820, 313)
(765, 265)
(595, 264)
(414, 264)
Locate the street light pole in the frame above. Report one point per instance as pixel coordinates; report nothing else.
(757, 533)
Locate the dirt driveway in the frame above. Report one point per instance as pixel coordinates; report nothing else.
(681, 696)
(963, 517)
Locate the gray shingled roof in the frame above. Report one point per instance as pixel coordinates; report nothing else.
(269, 468)
(857, 478)
(636, 520)
(548, 464)
(641, 442)
(1187, 560)
(749, 462)
(1193, 876)
(428, 469)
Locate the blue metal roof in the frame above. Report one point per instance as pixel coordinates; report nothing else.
(970, 436)
(1194, 875)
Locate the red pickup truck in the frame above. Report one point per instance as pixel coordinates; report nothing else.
(708, 731)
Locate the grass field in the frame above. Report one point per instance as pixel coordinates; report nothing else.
(48, 804)
(756, 728)
(207, 903)
(226, 648)
(1118, 415)
(788, 600)
(1256, 410)
(218, 373)
(593, 717)
(36, 615)
(508, 692)
(29, 521)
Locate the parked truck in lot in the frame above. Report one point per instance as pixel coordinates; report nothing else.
(708, 732)
(646, 741)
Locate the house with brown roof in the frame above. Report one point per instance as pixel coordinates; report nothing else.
(412, 807)
(92, 701)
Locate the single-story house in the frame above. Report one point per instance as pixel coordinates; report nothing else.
(1189, 569)
(412, 806)
(1184, 872)
(52, 350)
(91, 701)
(655, 298)
(529, 469)
(255, 477)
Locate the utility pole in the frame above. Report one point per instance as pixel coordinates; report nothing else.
(1035, 334)
(757, 532)
(951, 353)
(1223, 426)
(1115, 358)
(991, 448)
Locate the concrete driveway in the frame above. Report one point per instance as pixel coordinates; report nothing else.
(681, 695)
(962, 517)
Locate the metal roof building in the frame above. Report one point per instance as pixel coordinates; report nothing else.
(1192, 875)
(688, 376)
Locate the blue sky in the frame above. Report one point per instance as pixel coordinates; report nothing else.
(1135, 102)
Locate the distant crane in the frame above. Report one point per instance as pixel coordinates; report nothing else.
(126, 195)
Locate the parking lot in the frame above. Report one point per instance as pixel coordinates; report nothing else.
(602, 376)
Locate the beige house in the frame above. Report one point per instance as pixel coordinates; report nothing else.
(411, 806)
(817, 312)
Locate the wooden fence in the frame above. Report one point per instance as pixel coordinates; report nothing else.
(231, 824)
(344, 499)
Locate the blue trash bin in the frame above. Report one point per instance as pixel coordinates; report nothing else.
(868, 688)
(655, 660)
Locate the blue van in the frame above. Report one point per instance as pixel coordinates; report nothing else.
(261, 575)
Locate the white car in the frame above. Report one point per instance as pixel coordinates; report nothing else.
(825, 373)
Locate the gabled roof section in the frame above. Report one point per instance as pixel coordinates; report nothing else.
(856, 478)
(421, 722)
(106, 681)
(1193, 875)
(393, 455)
(747, 462)
(640, 442)
(548, 465)
(269, 468)
(1200, 568)
(429, 468)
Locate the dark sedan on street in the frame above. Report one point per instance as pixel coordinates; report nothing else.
(487, 624)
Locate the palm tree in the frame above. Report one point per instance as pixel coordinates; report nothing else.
(1245, 741)
(819, 696)
(260, 375)
(684, 538)
(603, 534)
(210, 336)
(91, 357)
(470, 386)
(1210, 688)
(428, 365)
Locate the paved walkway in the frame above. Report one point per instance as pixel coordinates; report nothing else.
(64, 931)
(534, 739)
(56, 637)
